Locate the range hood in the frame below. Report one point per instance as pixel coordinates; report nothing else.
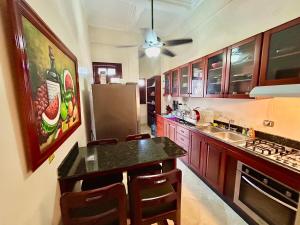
(290, 90)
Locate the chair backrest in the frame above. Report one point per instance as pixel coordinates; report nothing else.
(155, 182)
(137, 137)
(103, 142)
(100, 206)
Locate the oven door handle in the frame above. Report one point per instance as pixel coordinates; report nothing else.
(268, 195)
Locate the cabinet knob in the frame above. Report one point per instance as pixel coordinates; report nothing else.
(288, 194)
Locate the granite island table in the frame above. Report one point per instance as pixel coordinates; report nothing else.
(87, 162)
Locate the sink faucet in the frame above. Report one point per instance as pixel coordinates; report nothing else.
(230, 122)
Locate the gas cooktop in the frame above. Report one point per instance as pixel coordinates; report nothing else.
(287, 156)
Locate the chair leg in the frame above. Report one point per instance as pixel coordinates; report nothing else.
(177, 220)
(164, 222)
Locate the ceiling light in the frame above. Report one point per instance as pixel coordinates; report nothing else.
(141, 82)
(152, 52)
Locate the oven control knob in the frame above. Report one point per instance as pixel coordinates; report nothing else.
(288, 194)
(265, 181)
(247, 171)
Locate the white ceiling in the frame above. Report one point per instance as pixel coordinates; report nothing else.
(131, 15)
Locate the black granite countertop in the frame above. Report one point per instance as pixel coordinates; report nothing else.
(119, 157)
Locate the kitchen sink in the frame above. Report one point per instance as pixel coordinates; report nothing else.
(210, 129)
(230, 136)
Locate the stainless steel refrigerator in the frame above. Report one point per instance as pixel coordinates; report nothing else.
(115, 110)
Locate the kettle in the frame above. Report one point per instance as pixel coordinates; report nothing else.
(196, 115)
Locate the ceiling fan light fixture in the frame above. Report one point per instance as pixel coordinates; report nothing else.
(152, 52)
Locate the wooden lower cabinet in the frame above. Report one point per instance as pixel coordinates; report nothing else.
(166, 128)
(172, 131)
(159, 126)
(183, 140)
(230, 174)
(214, 163)
(196, 152)
(160, 131)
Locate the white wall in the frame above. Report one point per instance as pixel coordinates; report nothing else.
(218, 24)
(103, 44)
(32, 198)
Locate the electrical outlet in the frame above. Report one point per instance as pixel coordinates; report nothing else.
(268, 123)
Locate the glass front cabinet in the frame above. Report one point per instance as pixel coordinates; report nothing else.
(184, 80)
(242, 69)
(175, 83)
(167, 85)
(281, 55)
(197, 78)
(215, 74)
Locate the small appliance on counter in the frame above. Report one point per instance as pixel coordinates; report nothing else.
(175, 105)
(168, 109)
(196, 115)
(206, 117)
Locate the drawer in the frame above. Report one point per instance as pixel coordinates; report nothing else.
(182, 141)
(183, 131)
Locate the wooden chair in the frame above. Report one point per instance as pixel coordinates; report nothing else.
(136, 137)
(103, 142)
(101, 181)
(103, 206)
(156, 198)
(153, 169)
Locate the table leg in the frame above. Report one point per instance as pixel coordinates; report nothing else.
(66, 185)
(168, 165)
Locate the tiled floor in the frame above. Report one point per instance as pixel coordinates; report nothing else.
(200, 205)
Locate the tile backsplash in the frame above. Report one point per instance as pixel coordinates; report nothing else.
(285, 112)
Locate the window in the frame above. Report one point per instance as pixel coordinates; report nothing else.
(142, 88)
(103, 72)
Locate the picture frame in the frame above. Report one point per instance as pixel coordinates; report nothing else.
(47, 84)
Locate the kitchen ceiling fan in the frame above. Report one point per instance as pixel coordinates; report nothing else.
(153, 45)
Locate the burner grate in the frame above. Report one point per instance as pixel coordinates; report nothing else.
(281, 154)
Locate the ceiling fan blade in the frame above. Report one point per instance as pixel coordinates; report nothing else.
(167, 52)
(141, 53)
(126, 46)
(178, 41)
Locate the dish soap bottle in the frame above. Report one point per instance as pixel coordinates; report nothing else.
(251, 133)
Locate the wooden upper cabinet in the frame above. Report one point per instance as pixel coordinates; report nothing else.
(167, 87)
(175, 82)
(242, 70)
(184, 80)
(281, 55)
(197, 68)
(215, 74)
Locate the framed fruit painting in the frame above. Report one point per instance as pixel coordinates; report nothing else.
(46, 84)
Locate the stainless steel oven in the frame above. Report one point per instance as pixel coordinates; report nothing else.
(265, 200)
